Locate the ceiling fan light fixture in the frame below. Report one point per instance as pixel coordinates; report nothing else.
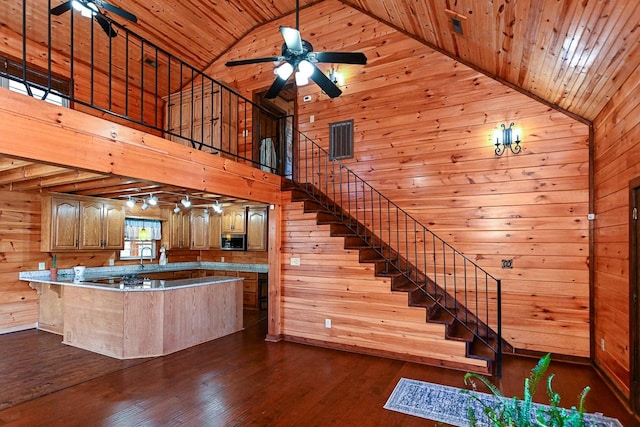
(87, 10)
(284, 71)
(301, 79)
(306, 68)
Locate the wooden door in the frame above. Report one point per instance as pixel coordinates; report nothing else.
(257, 229)
(113, 226)
(199, 224)
(64, 224)
(634, 290)
(90, 225)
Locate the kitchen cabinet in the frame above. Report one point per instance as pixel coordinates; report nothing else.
(101, 225)
(257, 229)
(179, 230)
(254, 287)
(215, 227)
(234, 221)
(199, 226)
(76, 223)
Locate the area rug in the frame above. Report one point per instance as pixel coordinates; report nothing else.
(449, 404)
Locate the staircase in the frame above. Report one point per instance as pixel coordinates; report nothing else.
(442, 305)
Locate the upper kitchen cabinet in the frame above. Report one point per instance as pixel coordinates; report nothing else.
(257, 229)
(60, 224)
(101, 225)
(234, 221)
(199, 229)
(215, 226)
(77, 223)
(179, 230)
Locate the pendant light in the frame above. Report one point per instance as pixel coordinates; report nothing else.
(144, 233)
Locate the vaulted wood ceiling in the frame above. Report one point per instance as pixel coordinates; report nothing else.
(573, 54)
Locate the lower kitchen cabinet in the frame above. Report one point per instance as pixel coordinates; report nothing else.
(254, 288)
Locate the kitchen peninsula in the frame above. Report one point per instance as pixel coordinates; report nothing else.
(110, 314)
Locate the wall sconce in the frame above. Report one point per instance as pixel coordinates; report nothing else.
(504, 138)
(336, 77)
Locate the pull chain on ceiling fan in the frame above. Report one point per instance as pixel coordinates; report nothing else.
(93, 8)
(297, 54)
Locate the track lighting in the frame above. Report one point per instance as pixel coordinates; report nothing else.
(176, 209)
(186, 202)
(217, 208)
(131, 203)
(206, 211)
(153, 200)
(144, 206)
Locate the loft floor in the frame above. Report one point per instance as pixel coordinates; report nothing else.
(236, 380)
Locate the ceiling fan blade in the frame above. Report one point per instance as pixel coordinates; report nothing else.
(106, 25)
(357, 58)
(254, 61)
(61, 8)
(325, 83)
(275, 88)
(114, 9)
(292, 39)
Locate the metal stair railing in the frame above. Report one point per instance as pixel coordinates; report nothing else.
(454, 282)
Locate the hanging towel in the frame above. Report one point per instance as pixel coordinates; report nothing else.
(268, 159)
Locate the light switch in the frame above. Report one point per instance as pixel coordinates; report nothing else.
(295, 261)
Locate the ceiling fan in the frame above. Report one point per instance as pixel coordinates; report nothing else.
(92, 8)
(298, 54)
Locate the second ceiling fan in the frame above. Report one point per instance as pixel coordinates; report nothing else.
(298, 56)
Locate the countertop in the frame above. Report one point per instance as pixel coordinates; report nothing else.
(117, 283)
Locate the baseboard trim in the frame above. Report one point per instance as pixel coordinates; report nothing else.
(388, 354)
(273, 338)
(19, 328)
(622, 397)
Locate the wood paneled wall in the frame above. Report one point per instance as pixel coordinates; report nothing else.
(423, 137)
(617, 162)
(365, 315)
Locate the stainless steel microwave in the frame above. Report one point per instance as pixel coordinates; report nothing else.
(233, 242)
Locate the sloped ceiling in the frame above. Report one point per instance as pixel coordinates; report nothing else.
(572, 54)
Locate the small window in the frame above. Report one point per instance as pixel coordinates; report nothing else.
(12, 76)
(19, 87)
(140, 236)
(341, 140)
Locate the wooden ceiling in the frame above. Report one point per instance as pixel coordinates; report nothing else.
(21, 175)
(573, 54)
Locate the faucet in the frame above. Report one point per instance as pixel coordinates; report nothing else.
(142, 256)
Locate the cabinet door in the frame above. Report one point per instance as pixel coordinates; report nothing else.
(113, 226)
(90, 225)
(179, 230)
(64, 224)
(233, 221)
(257, 229)
(199, 224)
(215, 230)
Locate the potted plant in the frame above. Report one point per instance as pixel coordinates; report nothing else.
(525, 413)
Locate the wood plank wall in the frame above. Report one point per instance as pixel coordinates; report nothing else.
(365, 314)
(423, 137)
(617, 162)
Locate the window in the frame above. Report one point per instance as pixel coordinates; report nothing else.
(136, 245)
(341, 140)
(12, 76)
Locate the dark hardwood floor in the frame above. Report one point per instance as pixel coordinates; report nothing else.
(237, 380)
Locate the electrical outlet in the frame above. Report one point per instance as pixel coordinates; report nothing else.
(327, 323)
(221, 259)
(41, 266)
(602, 344)
(112, 262)
(312, 118)
(295, 261)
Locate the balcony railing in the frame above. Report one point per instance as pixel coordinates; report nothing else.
(130, 80)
